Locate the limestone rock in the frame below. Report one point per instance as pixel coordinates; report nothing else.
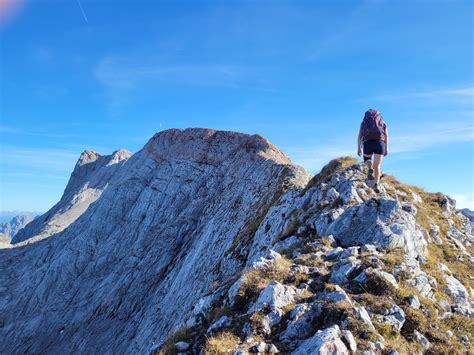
(383, 223)
(394, 316)
(324, 342)
(299, 327)
(181, 346)
(458, 292)
(138, 240)
(349, 340)
(420, 338)
(275, 296)
(336, 295)
(333, 253)
(223, 321)
(414, 302)
(341, 272)
(362, 314)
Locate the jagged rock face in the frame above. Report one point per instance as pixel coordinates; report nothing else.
(136, 241)
(342, 210)
(380, 222)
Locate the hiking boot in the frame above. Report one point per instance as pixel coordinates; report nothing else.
(370, 174)
(376, 188)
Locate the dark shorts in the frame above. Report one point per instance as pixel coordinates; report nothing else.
(374, 146)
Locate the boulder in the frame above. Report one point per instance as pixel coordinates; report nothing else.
(324, 342)
(420, 338)
(299, 327)
(422, 283)
(181, 346)
(349, 340)
(333, 253)
(383, 223)
(368, 248)
(335, 295)
(286, 243)
(459, 294)
(448, 204)
(394, 316)
(342, 271)
(275, 296)
(366, 277)
(223, 321)
(413, 301)
(361, 313)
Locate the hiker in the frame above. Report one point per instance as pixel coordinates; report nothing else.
(373, 135)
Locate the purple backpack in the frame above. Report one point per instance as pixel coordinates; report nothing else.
(373, 126)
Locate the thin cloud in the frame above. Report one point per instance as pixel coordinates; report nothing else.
(125, 74)
(422, 140)
(465, 93)
(313, 158)
(8, 129)
(82, 10)
(32, 176)
(16, 130)
(122, 76)
(464, 200)
(57, 160)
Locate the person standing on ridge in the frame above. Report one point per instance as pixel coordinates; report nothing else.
(373, 135)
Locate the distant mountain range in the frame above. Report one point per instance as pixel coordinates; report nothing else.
(9, 229)
(7, 216)
(468, 213)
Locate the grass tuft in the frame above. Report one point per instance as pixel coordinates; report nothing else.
(222, 343)
(333, 167)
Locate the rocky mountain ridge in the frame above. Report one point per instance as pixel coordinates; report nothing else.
(211, 241)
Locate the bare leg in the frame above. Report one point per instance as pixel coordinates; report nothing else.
(377, 163)
(368, 163)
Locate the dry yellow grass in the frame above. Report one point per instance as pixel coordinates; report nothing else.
(222, 343)
(403, 346)
(169, 348)
(256, 279)
(309, 259)
(430, 211)
(394, 256)
(331, 168)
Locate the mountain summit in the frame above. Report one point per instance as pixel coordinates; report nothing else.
(215, 241)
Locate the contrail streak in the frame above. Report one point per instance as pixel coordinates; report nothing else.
(83, 13)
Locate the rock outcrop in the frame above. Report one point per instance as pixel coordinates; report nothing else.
(210, 241)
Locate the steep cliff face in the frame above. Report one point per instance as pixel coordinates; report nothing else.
(139, 241)
(214, 241)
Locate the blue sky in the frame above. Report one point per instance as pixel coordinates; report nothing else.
(301, 73)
